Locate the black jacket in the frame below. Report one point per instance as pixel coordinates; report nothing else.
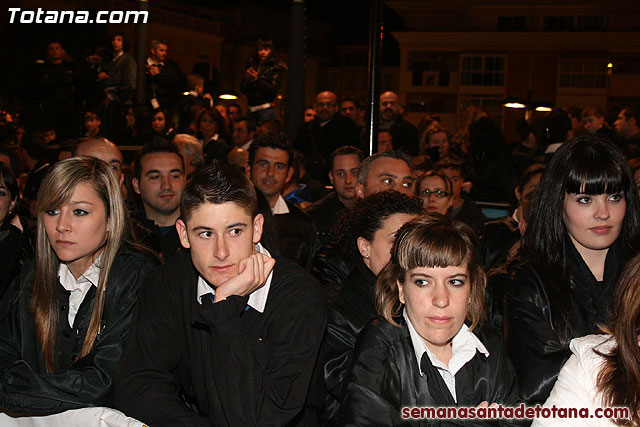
(220, 364)
(330, 267)
(297, 236)
(496, 240)
(13, 247)
(349, 311)
(26, 386)
(265, 88)
(324, 213)
(167, 86)
(405, 137)
(471, 215)
(385, 378)
(318, 142)
(536, 346)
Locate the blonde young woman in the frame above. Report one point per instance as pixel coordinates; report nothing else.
(66, 319)
(429, 349)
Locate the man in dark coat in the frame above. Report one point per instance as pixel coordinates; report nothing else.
(404, 134)
(270, 159)
(165, 82)
(225, 335)
(321, 136)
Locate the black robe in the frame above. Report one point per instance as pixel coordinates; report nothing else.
(385, 377)
(26, 387)
(222, 364)
(349, 311)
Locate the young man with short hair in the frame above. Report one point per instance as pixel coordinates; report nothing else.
(345, 167)
(225, 335)
(270, 160)
(159, 179)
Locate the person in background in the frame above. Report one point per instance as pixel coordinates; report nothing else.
(584, 225)
(309, 114)
(191, 151)
(211, 132)
(365, 233)
(118, 80)
(92, 124)
(261, 80)
(13, 240)
(405, 135)
(68, 315)
(271, 168)
(595, 122)
(165, 83)
(464, 207)
(435, 190)
(345, 167)
(159, 178)
(500, 238)
(437, 143)
(161, 124)
(385, 140)
(234, 112)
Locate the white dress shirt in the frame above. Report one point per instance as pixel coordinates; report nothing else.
(80, 287)
(463, 348)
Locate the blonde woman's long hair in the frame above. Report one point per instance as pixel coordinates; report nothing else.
(56, 190)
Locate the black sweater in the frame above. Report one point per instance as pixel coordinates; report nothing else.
(235, 367)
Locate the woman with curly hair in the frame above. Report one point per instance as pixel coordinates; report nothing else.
(366, 232)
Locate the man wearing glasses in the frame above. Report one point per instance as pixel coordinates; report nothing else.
(321, 136)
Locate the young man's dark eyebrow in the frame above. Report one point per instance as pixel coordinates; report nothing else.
(237, 224)
(202, 228)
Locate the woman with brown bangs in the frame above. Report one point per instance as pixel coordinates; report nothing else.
(604, 370)
(584, 225)
(430, 348)
(66, 319)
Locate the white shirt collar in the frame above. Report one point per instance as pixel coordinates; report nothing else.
(280, 207)
(151, 61)
(115, 58)
(247, 145)
(90, 276)
(515, 216)
(257, 299)
(464, 346)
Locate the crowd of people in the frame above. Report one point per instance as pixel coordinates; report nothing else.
(229, 276)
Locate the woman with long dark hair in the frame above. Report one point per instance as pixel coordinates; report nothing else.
(604, 370)
(583, 227)
(69, 314)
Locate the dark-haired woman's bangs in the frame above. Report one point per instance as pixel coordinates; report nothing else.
(434, 248)
(597, 176)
